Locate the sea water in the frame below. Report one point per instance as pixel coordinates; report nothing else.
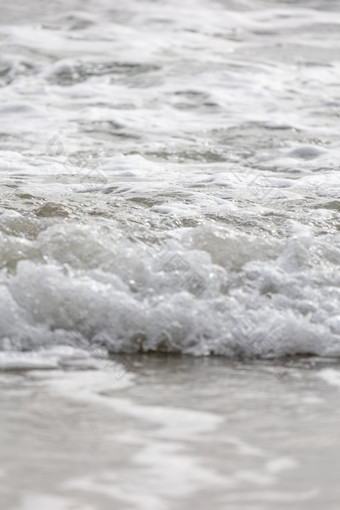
(169, 176)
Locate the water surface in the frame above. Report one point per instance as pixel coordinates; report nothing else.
(169, 177)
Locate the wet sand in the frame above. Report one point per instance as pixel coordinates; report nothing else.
(172, 433)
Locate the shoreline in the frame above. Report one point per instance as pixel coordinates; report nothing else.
(172, 434)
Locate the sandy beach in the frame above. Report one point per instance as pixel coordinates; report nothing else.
(174, 433)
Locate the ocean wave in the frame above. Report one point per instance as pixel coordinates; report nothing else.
(207, 291)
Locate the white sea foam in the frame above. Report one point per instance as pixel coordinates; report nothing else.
(207, 290)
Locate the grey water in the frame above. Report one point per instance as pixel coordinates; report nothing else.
(169, 253)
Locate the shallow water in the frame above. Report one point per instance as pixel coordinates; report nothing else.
(174, 434)
(169, 177)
